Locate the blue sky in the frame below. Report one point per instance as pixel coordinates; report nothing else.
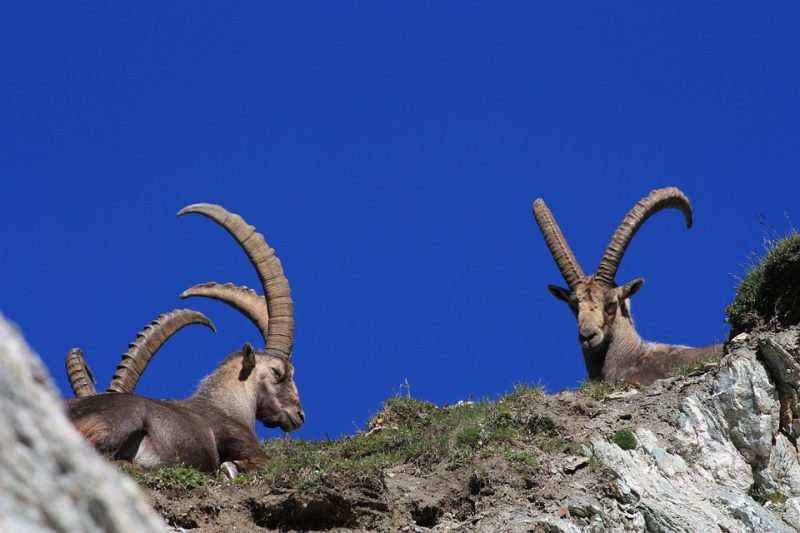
(390, 153)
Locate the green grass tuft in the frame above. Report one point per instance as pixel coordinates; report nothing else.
(775, 498)
(597, 389)
(685, 370)
(625, 439)
(171, 479)
(772, 279)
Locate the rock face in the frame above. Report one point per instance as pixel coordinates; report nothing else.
(725, 452)
(50, 479)
(718, 461)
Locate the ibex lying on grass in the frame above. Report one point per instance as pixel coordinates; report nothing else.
(139, 354)
(612, 349)
(216, 425)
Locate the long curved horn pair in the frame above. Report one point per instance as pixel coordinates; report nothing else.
(669, 197)
(278, 313)
(140, 352)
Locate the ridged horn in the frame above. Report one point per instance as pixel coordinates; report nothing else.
(645, 208)
(148, 342)
(557, 244)
(243, 299)
(80, 376)
(269, 269)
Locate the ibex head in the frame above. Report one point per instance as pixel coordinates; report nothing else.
(599, 304)
(268, 374)
(269, 377)
(596, 308)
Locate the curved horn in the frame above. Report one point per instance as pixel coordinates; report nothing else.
(80, 376)
(243, 299)
(557, 244)
(148, 342)
(269, 269)
(645, 208)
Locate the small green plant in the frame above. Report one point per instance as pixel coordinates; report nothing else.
(775, 498)
(685, 370)
(176, 479)
(556, 444)
(600, 469)
(135, 473)
(597, 389)
(469, 437)
(458, 458)
(625, 439)
(526, 389)
(518, 457)
(595, 464)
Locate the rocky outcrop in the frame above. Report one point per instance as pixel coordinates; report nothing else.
(727, 466)
(709, 455)
(50, 479)
(711, 450)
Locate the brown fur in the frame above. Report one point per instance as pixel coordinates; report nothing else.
(94, 429)
(214, 425)
(612, 348)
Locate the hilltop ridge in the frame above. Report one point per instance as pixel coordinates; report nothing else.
(712, 447)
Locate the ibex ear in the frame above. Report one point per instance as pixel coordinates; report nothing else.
(630, 288)
(248, 360)
(559, 292)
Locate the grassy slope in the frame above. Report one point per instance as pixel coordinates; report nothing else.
(404, 432)
(771, 288)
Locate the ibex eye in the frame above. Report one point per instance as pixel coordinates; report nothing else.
(611, 308)
(277, 373)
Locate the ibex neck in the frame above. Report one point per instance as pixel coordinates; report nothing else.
(624, 352)
(222, 390)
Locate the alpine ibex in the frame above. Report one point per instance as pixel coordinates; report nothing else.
(216, 425)
(612, 349)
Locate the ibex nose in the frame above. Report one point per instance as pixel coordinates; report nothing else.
(301, 415)
(587, 335)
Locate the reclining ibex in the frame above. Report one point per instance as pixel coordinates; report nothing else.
(216, 425)
(612, 349)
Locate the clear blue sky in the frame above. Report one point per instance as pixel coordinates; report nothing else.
(390, 153)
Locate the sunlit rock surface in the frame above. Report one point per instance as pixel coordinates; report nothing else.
(50, 479)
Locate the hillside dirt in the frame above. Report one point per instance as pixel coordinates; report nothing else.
(497, 491)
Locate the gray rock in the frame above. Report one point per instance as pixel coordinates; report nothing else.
(792, 513)
(50, 479)
(726, 446)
